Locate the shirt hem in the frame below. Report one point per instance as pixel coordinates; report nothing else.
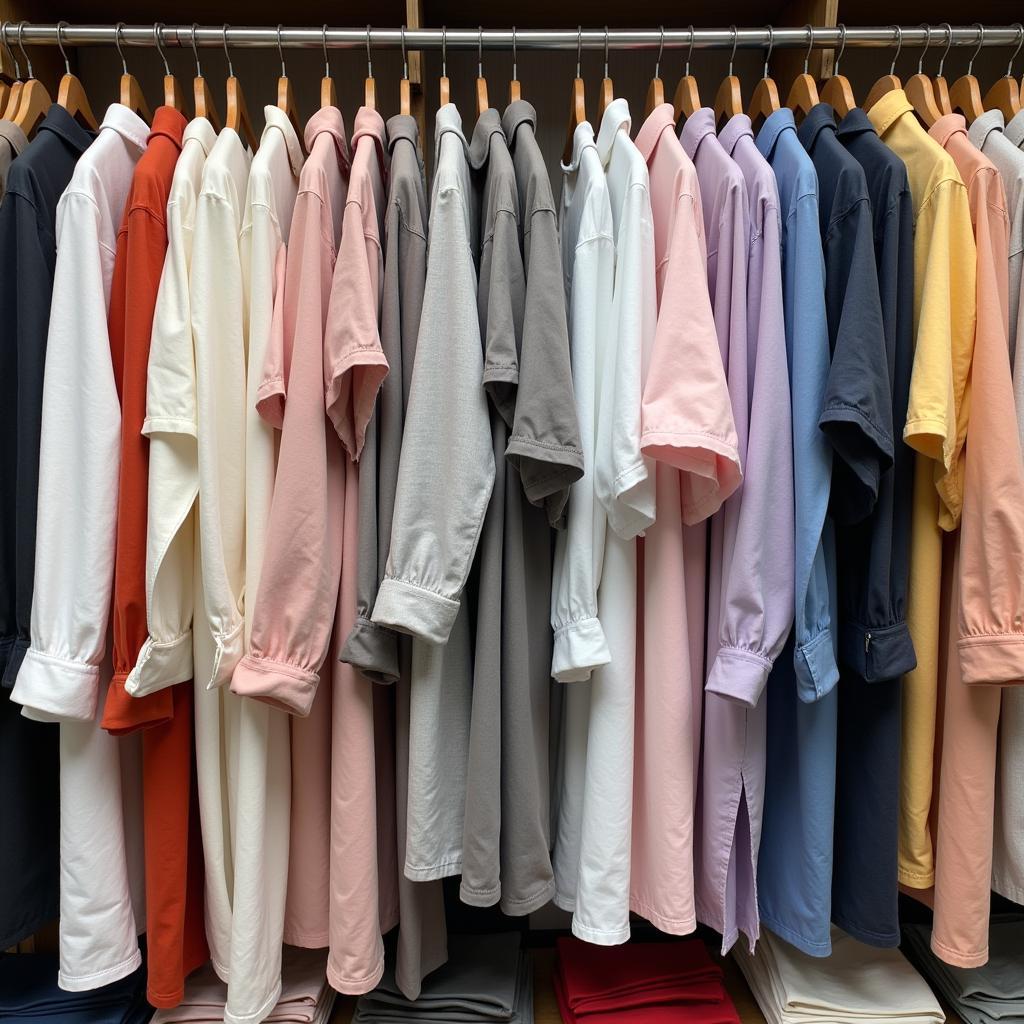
(955, 958)
(97, 979)
(809, 946)
(354, 986)
(669, 925)
(601, 936)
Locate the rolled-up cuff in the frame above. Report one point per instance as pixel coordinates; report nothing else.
(60, 689)
(739, 675)
(373, 650)
(816, 670)
(579, 648)
(877, 653)
(413, 609)
(282, 686)
(995, 659)
(161, 664)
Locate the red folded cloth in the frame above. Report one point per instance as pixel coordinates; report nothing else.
(599, 978)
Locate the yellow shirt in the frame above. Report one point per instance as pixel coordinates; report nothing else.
(945, 261)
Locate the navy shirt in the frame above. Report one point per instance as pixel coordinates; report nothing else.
(28, 750)
(875, 644)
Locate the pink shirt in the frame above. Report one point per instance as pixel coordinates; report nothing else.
(687, 426)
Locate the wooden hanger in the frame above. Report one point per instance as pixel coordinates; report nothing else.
(920, 91)
(656, 90)
(7, 80)
(765, 100)
(607, 91)
(887, 83)
(481, 83)
(130, 93)
(514, 90)
(174, 95)
(404, 87)
(803, 93)
(328, 93)
(1005, 94)
(577, 105)
(729, 98)
(369, 85)
(965, 95)
(687, 97)
(13, 98)
(205, 106)
(939, 84)
(237, 116)
(34, 101)
(70, 91)
(444, 86)
(285, 95)
(837, 91)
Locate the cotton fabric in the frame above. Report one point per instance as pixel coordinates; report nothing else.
(12, 142)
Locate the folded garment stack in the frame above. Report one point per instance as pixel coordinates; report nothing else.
(306, 998)
(640, 983)
(487, 979)
(980, 995)
(29, 994)
(857, 983)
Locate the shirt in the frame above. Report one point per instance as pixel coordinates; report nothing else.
(28, 750)
(65, 673)
(12, 142)
(944, 272)
(687, 426)
(872, 576)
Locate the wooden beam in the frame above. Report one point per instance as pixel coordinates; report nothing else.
(414, 19)
(787, 64)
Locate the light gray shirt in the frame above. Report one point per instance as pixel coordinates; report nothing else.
(12, 142)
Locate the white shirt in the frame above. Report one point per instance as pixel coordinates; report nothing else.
(66, 671)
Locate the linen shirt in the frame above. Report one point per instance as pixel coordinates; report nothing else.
(944, 273)
(28, 750)
(873, 575)
(687, 426)
(66, 670)
(12, 142)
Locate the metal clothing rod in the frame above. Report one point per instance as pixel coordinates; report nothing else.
(499, 39)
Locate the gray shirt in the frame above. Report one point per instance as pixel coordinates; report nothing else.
(12, 142)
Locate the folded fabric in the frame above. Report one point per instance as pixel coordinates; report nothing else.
(857, 983)
(991, 993)
(609, 979)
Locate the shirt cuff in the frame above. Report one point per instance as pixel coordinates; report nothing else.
(161, 664)
(877, 654)
(739, 675)
(413, 609)
(123, 713)
(228, 650)
(579, 648)
(60, 689)
(816, 670)
(373, 650)
(994, 659)
(282, 686)
(15, 655)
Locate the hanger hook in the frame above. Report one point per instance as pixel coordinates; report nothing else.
(444, 51)
(810, 46)
(981, 42)
(157, 31)
(195, 51)
(369, 56)
(1020, 43)
(661, 50)
(7, 47)
(280, 52)
(118, 29)
(606, 51)
(60, 46)
(224, 33)
(735, 38)
(479, 51)
(949, 44)
(689, 53)
(927, 42)
(327, 60)
(842, 48)
(899, 46)
(515, 58)
(579, 48)
(771, 46)
(21, 46)
(405, 60)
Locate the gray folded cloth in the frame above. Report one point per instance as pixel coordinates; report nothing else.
(486, 979)
(991, 994)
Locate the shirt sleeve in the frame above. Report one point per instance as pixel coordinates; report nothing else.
(991, 640)
(579, 641)
(945, 290)
(446, 472)
(757, 585)
(625, 483)
(78, 470)
(298, 592)
(857, 409)
(544, 445)
(687, 419)
(171, 426)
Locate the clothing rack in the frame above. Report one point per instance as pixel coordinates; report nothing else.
(253, 36)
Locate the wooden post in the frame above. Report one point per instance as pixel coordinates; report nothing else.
(414, 19)
(787, 64)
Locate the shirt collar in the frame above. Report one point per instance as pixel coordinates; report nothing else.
(733, 130)
(275, 119)
(616, 118)
(200, 130)
(516, 113)
(582, 139)
(982, 127)
(696, 128)
(61, 123)
(946, 127)
(329, 120)
(127, 124)
(889, 109)
(13, 135)
(488, 124)
(169, 124)
(447, 119)
(370, 125)
(774, 125)
(403, 126)
(1014, 130)
(659, 119)
(819, 118)
(856, 122)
